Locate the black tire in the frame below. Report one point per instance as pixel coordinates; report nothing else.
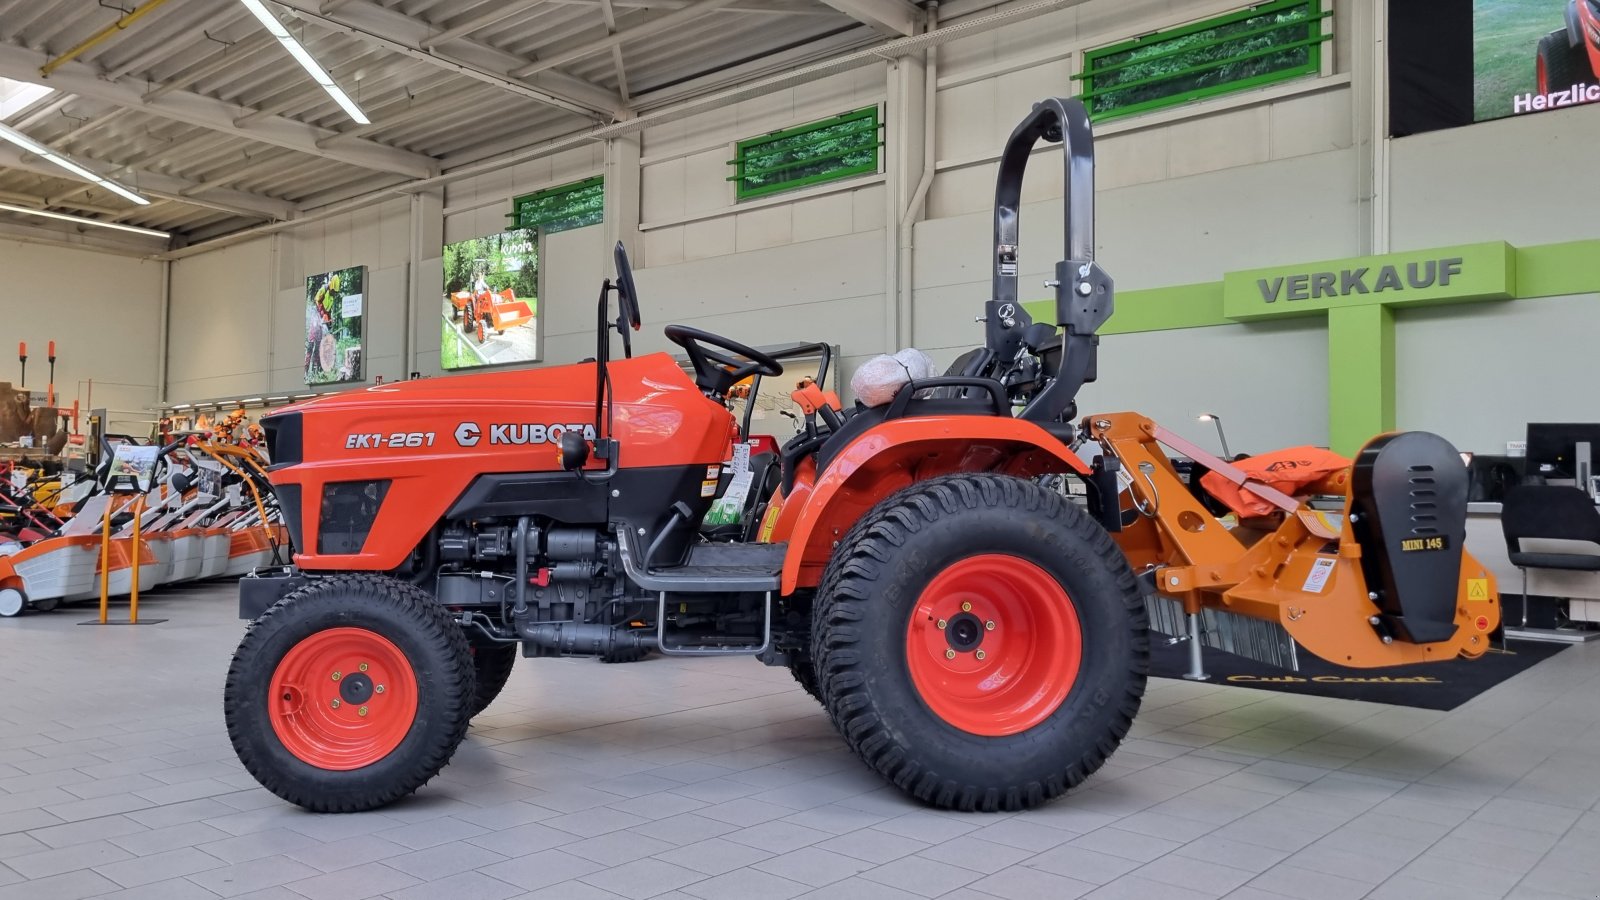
(430, 642)
(872, 585)
(492, 665)
(805, 675)
(49, 604)
(1564, 65)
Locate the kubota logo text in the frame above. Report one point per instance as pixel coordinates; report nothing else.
(468, 434)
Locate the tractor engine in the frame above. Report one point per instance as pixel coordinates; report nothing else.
(560, 590)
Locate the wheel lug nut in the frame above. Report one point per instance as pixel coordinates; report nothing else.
(966, 607)
(942, 624)
(335, 704)
(378, 689)
(362, 667)
(949, 654)
(337, 676)
(980, 654)
(988, 626)
(362, 711)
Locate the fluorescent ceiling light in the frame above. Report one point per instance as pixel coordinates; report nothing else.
(30, 145)
(306, 60)
(15, 96)
(80, 220)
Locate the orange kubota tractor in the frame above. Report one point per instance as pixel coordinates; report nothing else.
(979, 638)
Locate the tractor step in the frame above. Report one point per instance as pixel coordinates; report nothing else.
(709, 568)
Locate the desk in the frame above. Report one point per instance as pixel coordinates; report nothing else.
(1487, 542)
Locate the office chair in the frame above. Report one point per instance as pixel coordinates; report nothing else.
(1549, 512)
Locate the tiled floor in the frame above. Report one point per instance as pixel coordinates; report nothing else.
(718, 779)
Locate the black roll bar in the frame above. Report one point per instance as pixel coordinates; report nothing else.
(1084, 292)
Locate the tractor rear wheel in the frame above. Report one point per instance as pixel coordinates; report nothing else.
(349, 693)
(1559, 65)
(981, 642)
(493, 665)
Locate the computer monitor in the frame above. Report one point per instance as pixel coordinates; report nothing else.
(1563, 450)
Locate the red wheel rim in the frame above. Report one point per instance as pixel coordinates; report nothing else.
(1540, 77)
(342, 698)
(993, 645)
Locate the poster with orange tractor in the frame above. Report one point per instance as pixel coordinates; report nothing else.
(490, 308)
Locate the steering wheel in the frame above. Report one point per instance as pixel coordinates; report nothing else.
(715, 373)
(627, 299)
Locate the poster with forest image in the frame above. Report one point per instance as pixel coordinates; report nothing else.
(491, 300)
(335, 302)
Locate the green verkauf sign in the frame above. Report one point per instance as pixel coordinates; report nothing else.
(1446, 275)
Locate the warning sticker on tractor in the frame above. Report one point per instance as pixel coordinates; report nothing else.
(1478, 589)
(708, 488)
(1317, 579)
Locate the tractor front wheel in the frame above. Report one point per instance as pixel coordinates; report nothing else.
(349, 693)
(981, 642)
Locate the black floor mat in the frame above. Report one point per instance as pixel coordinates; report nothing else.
(1442, 686)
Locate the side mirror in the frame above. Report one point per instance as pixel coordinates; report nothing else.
(574, 451)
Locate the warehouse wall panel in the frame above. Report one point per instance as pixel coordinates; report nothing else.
(103, 312)
(1478, 373)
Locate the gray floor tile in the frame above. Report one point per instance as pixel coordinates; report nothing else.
(813, 866)
(466, 886)
(242, 878)
(67, 859)
(741, 884)
(873, 846)
(163, 866)
(714, 856)
(356, 883)
(923, 876)
(1023, 883)
(541, 869)
(643, 878)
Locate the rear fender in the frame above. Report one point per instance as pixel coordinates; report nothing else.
(902, 452)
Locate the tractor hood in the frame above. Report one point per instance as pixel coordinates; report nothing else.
(502, 421)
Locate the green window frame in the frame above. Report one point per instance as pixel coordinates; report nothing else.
(1264, 44)
(561, 208)
(841, 146)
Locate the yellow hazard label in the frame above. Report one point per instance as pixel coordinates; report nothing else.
(1477, 589)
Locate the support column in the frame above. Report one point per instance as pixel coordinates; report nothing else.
(622, 200)
(1360, 375)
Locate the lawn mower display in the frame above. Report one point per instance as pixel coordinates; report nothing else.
(978, 638)
(187, 532)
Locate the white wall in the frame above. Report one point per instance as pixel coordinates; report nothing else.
(102, 310)
(1478, 373)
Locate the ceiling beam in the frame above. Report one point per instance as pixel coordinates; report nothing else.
(168, 187)
(37, 202)
(22, 64)
(676, 17)
(609, 14)
(394, 30)
(896, 18)
(494, 16)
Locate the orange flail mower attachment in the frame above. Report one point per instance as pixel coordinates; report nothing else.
(1305, 570)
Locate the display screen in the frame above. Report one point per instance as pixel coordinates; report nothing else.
(490, 305)
(1456, 62)
(1534, 55)
(335, 302)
